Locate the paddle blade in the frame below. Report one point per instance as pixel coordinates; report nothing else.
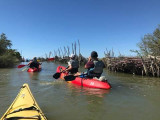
(69, 78)
(56, 75)
(20, 66)
(24, 69)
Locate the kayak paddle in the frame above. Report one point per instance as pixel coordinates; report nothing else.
(58, 74)
(72, 77)
(20, 66)
(25, 69)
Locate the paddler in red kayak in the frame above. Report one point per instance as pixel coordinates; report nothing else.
(73, 65)
(34, 63)
(94, 66)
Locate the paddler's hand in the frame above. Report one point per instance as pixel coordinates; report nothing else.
(89, 59)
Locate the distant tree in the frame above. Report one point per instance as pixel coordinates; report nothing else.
(5, 44)
(8, 56)
(15, 53)
(150, 44)
(18, 55)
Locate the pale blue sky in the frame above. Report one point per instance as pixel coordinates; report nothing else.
(36, 27)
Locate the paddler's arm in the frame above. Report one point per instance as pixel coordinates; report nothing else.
(89, 64)
(67, 68)
(29, 63)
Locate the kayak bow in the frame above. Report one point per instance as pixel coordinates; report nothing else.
(24, 107)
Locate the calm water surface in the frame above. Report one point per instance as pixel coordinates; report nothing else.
(131, 97)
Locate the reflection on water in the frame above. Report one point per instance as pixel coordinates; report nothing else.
(55, 82)
(87, 91)
(131, 97)
(33, 75)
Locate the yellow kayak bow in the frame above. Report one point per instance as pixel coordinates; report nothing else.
(24, 107)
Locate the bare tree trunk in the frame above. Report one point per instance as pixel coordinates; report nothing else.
(62, 53)
(143, 63)
(59, 53)
(72, 48)
(152, 68)
(55, 53)
(75, 45)
(112, 53)
(142, 72)
(158, 74)
(68, 51)
(144, 66)
(65, 51)
(46, 56)
(79, 58)
(50, 54)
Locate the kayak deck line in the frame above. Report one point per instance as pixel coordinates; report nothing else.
(31, 117)
(22, 109)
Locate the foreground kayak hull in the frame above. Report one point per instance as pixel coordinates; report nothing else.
(86, 82)
(24, 107)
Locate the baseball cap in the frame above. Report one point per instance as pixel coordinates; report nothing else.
(72, 56)
(94, 54)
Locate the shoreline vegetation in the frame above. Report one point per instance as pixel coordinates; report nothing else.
(8, 57)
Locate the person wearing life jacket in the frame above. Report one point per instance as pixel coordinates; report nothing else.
(94, 66)
(34, 63)
(73, 65)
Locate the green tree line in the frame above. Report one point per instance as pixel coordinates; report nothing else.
(8, 56)
(150, 43)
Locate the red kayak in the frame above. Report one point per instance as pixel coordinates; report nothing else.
(86, 82)
(51, 59)
(34, 69)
